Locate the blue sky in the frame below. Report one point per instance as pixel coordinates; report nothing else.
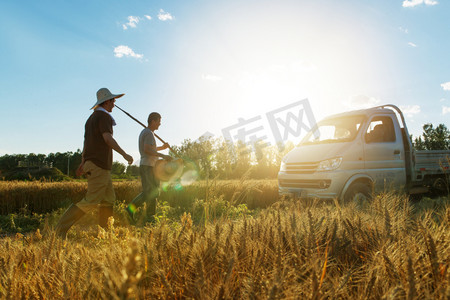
(205, 64)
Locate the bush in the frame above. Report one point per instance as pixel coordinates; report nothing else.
(50, 174)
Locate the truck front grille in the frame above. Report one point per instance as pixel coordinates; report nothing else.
(301, 168)
(305, 183)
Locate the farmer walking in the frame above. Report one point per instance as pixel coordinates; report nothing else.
(96, 163)
(149, 157)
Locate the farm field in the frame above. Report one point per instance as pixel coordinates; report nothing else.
(226, 239)
(42, 197)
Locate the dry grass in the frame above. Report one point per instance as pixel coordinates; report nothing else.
(42, 197)
(294, 250)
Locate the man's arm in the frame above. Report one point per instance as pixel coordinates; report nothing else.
(79, 170)
(110, 141)
(165, 146)
(82, 153)
(152, 151)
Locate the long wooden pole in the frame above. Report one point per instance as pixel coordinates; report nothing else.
(162, 141)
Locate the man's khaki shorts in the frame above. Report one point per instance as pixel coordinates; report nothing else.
(100, 189)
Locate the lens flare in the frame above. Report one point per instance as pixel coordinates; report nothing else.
(189, 177)
(168, 171)
(176, 174)
(191, 172)
(131, 208)
(178, 187)
(165, 186)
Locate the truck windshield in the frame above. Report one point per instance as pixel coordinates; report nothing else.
(335, 130)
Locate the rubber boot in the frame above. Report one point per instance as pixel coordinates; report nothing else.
(133, 206)
(104, 212)
(130, 209)
(71, 215)
(138, 200)
(150, 211)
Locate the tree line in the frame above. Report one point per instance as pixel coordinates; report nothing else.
(65, 162)
(433, 138)
(209, 157)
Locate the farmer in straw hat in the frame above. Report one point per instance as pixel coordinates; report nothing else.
(96, 163)
(149, 157)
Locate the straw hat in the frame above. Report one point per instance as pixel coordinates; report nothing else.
(168, 170)
(103, 95)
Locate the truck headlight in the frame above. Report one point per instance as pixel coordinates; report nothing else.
(283, 167)
(329, 164)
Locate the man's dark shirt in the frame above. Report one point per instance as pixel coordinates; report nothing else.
(95, 147)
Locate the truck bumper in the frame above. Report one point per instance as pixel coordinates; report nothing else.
(322, 185)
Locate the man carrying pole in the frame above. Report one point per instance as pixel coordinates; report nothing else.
(96, 163)
(149, 157)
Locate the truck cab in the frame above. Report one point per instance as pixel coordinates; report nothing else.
(350, 155)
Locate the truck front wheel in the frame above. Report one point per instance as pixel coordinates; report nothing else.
(358, 193)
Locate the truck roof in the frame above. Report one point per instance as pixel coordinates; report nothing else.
(366, 112)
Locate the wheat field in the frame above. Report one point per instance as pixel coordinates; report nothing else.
(42, 197)
(293, 249)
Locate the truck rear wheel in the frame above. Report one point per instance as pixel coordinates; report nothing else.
(358, 193)
(440, 186)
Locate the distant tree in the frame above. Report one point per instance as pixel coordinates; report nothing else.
(201, 153)
(10, 162)
(66, 162)
(75, 161)
(117, 168)
(59, 160)
(36, 174)
(224, 159)
(132, 170)
(35, 160)
(433, 138)
(262, 153)
(243, 160)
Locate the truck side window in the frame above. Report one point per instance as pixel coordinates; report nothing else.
(380, 130)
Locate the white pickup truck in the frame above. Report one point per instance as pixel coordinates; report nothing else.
(351, 155)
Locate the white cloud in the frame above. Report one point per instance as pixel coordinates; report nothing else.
(147, 17)
(445, 110)
(431, 2)
(412, 44)
(404, 30)
(362, 101)
(410, 110)
(446, 86)
(210, 77)
(412, 3)
(164, 16)
(121, 51)
(132, 22)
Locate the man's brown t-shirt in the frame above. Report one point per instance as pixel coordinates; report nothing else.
(95, 147)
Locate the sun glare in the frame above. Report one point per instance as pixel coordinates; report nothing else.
(266, 59)
(283, 61)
